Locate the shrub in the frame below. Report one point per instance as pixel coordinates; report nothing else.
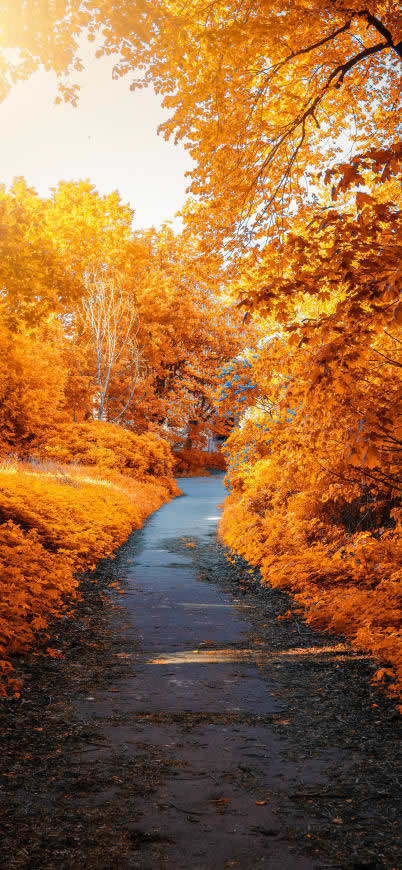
(278, 518)
(110, 448)
(54, 524)
(196, 463)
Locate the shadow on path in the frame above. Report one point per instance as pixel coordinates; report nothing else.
(206, 734)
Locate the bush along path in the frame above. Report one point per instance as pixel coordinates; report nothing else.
(57, 520)
(193, 720)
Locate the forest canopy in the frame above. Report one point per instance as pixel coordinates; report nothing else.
(290, 112)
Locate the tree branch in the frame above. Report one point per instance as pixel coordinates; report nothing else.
(371, 19)
(309, 48)
(344, 68)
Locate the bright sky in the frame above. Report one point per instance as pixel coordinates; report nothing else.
(110, 138)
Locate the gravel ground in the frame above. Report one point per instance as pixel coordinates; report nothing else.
(68, 803)
(331, 706)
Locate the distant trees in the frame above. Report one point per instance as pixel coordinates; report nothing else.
(111, 321)
(100, 322)
(290, 113)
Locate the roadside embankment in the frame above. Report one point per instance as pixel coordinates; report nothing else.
(54, 523)
(345, 583)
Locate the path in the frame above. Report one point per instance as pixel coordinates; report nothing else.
(193, 637)
(207, 734)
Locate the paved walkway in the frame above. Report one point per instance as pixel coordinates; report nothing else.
(197, 697)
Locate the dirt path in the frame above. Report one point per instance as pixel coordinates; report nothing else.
(185, 726)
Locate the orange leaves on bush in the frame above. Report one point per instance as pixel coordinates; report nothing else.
(346, 583)
(33, 582)
(111, 448)
(53, 525)
(193, 462)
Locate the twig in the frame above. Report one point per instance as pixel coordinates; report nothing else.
(189, 812)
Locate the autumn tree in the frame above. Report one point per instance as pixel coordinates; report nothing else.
(39, 33)
(93, 236)
(185, 330)
(260, 95)
(34, 280)
(111, 321)
(33, 376)
(89, 228)
(141, 328)
(289, 111)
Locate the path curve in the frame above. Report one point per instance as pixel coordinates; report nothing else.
(196, 693)
(193, 720)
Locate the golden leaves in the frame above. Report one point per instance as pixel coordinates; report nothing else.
(51, 530)
(314, 468)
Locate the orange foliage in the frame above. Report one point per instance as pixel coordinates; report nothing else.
(136, 341)
(111, 448)
(313, 471)
(196, 463)
(260, 93)
(315, 465)
(32, 381)
(348, 583)
(53, 525)
(33, 274)
(56, 523)
(268, 98)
